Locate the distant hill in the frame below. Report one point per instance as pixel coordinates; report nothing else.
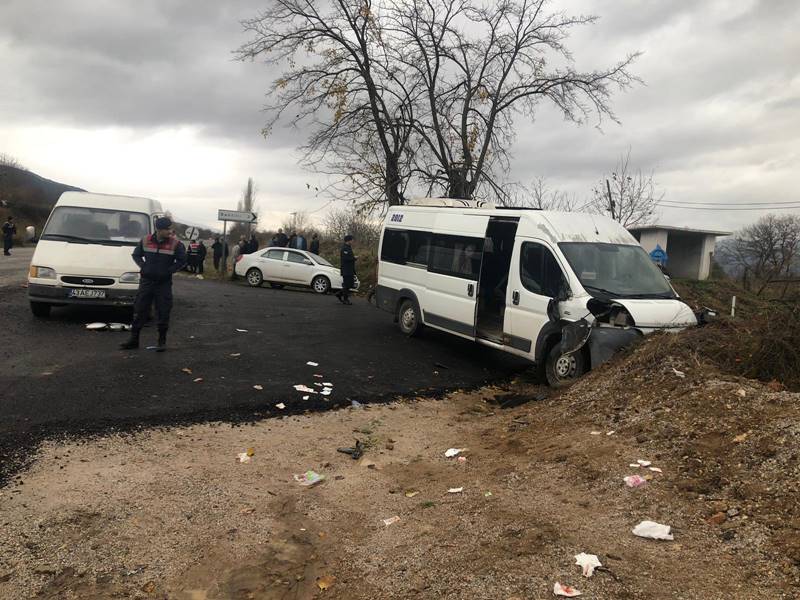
(27, 196)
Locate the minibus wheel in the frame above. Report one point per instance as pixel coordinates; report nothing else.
(254, 277)
(562, 370)
(408, 318)
(40, 309)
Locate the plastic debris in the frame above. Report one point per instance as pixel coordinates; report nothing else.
(318, 376)
(325, 392)
(595, 433)
(309, 478)
(680, 374)
(644, 463)
(312, 364)
(391, 520)
(119, 327)
(306, 397)
(565, 590)
(96, 326)
(634, 480)
(280, 405)
(199, 380)
(462, 459)
(326, 582)
(258, 387)
(187, 370)
(236, 355)
(655, 469)
(355, 404)
(487, 494)
(327, 384)
(412, 493)
(634, 465)
(317, 384)
(305, 389)
(355, 452)
(244, 457)
(653, 530)
(242, 330)
(588, 563)
(612, 432)
(455, 490)
(450, 453)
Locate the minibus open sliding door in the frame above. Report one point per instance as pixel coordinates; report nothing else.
(498, 249)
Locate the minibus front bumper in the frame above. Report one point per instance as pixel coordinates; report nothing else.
(59, 295)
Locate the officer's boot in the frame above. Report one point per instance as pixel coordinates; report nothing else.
(133, 341)
(162, 338)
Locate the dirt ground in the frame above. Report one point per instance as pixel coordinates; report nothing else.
(172, 514)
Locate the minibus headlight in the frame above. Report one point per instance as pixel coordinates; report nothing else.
(42, 272)
(129, 278)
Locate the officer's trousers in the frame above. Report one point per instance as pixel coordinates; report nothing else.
(150, 291)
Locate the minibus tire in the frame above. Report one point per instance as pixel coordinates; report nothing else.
(408, 318)
(559, 372)
(40, 309)
(254, 277)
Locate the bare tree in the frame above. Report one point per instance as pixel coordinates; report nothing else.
(541, 196)
(247, 203)
(628, 196)
(422, 95)
(359, 223)
(297, 222)
(767, 250)
(6, 160)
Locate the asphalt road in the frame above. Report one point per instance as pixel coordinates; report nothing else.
(59, 379)
(14, 268)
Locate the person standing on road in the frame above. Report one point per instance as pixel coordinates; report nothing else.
(9, 229)
(202, 251)
(216, 249)
(159, 256)
(348, 270)
(191, 256)
(314, 248)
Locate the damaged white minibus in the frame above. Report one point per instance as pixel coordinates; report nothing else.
(564, 290)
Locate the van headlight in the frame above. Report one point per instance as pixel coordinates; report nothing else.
(129, 278)
(42, 272)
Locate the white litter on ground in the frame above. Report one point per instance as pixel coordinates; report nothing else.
(455, 490)
(281, 406)
(565, 590)
(588, 563)
(653, 530)
(451, 452)
(242, 330)
(312, 364)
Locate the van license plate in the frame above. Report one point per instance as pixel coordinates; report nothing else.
(83, 293)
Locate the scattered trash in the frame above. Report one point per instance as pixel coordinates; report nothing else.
(280, 405)
(242, 330)
(187, 370)
(325, 392)
(655, 469)
(680, 374)
(588, 563)
(487, 494)
(236, 355)
(412, 493)
(312, 364)
(244, 457)
(305, 389)
(451, 452)
(309, 478)
(634, 465)
(455, 490)
(318, 376)
(327, 384)
(612, 432)
(391, 520)
(306, 397)
(119, 327)
(565, 590)
(355, 453)
(653, 530)
(644, 463)
(258, 387)
(96, 326)
(634, 480)
(462, 459)
(355, 404)
(317, 384)
(198, 380)
(740, 438)
(595, 433)
(326, 582)
(741, 393)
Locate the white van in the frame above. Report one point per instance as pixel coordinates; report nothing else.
(84, 253)
(564, 290)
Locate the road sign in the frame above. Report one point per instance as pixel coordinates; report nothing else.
(192, 233)
(239, 216)
(658, 255)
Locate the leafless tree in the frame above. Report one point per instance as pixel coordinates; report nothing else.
(247, 203)
(298, 222)
(543, 197)
(767, 250)
(421, 96)
(361, 224)
(628, 196)
(6, 160)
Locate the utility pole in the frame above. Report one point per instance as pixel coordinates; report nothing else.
(611, 201)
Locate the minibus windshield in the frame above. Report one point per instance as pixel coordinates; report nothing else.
(616, 270)
(96, 226)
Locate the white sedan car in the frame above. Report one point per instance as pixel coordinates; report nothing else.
(285, 266)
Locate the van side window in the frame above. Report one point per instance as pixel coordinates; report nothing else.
(406, 247)
(456, 256)
(539, 270)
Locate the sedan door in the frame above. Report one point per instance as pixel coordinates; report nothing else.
(299, 268)
(271, 264)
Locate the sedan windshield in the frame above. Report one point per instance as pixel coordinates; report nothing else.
(96, 226)
(319, 260)
(616, 270)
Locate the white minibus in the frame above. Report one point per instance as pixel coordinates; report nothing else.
(84, 253)
(564, 290)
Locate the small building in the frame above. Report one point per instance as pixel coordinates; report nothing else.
(682, 251)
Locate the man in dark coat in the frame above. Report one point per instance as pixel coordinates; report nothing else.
(217, 248)
(202, 251)
(314, 248)
(347, 269)
(252, 245)
(9, 229)
(281, 239)
(159, 256)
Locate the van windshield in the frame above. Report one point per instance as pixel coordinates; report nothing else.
(96, 226)
(616, 270)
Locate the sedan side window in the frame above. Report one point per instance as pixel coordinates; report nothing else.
(539, 270)
(296, 258)
(274, 254)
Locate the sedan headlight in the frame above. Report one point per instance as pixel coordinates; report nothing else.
(131, 277)
(42, 272)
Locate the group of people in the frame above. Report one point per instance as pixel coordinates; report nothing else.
(296, 241)
(196, 257)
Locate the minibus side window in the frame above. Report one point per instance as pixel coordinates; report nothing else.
(457, 256)
(539, 270)
(406, 247)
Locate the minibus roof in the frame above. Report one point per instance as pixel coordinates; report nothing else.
(109, 201)
(554, 226)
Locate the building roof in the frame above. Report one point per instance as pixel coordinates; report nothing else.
(679, 229)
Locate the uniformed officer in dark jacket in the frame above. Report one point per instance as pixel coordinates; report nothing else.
(348, 270)
(159, 256)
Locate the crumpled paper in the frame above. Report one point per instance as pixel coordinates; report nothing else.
(565, 590)
(653, 530)
(588, 563)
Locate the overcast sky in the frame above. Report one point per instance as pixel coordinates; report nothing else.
(144, 98)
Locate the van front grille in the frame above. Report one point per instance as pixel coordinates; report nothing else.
(88, 280)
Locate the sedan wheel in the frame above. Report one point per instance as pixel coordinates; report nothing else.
(321, 284)
(254, 277)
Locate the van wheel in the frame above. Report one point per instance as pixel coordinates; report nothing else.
(562, 370)
(40, 309)
(321, 284)
(254, 277)
(408, 318)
